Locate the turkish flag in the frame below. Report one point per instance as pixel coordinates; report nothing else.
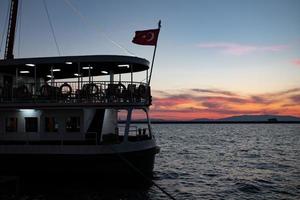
(146, 37)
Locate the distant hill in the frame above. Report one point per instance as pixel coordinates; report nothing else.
(258, 118)
(143, 120)
(233, 119)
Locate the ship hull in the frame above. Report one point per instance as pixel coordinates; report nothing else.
(129, 164)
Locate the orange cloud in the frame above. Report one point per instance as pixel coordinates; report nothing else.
(202, 103)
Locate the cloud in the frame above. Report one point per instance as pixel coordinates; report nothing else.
(207, 103)
(241, 49)
(238, 100)
(296, 62)
(295, 98)
(223, 92)
(260, 99)
(287, 92)
(212, 105)
(160, 92)
(170, 101)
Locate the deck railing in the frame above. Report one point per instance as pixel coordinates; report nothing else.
(103, 92)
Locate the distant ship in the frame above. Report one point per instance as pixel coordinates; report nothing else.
(55, 126)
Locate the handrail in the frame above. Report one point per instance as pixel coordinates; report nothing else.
(62, 141)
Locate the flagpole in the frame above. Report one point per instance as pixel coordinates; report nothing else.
(154, 52)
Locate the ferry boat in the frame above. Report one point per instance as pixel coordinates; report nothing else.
(55, 117)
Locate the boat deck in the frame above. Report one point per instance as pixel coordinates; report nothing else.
(115, 140)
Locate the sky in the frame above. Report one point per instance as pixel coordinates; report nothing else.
(214, 58)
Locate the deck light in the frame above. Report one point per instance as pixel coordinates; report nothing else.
(49, 76)
(56, 70)
(30, 65)
(24, 72)
(104, 72)
(87, 67)
(68, 63)
(27, 111)
(76, 74)
(127, 66)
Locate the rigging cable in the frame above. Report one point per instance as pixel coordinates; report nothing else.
(5, 26)
(126, 161)
(19, 26)
(85, 20)
(51, 26)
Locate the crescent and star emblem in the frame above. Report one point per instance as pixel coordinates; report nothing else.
(149, 36)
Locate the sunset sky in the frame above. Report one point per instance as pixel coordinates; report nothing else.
(214, 58)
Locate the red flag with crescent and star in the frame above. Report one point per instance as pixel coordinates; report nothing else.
(146, 37)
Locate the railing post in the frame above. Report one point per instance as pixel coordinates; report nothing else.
(78, 73)
(111, 77)
(52, 76)
(131, 75)
(147, 75)
(127, 127)
(149, 122)
(35, 80)
(97, 138)
(89, 74)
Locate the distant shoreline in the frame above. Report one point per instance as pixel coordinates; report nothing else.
(215, 122)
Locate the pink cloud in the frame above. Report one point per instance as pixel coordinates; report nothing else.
(241, 49)
(207, 103)
(296, 62)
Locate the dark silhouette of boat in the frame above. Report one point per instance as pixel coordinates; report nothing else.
(57, 118)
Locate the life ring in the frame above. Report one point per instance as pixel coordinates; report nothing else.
(142, 91)
(101, 96)
(92, 89)
(120, 90)
(22, 91)
(45, 90)
(84, 87)
(67, 92)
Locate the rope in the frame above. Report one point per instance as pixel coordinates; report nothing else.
(143, 175)
(4, 27)
(51, 26)
(86, 21)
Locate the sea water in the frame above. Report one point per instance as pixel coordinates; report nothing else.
(209, 161)
(229, 161)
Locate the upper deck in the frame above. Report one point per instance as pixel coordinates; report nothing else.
(70, 81)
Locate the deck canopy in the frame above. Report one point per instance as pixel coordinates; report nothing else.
(73, 66)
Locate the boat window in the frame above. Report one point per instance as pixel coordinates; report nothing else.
(51, 125)
(31, 124)
(73, 124)
(139, 131)
(11, 124)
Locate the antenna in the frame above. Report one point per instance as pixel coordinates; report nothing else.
(10, 39)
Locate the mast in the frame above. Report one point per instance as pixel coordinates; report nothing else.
(159, 26)
(10, 38)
